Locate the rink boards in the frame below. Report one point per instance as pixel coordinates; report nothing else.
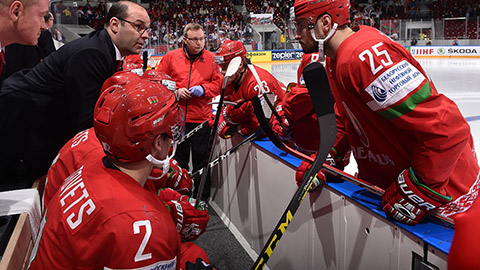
(342, 227)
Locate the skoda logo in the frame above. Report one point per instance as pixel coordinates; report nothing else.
(441, 51)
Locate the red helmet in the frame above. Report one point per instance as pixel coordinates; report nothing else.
(131, 62)
(310, 10)
(120, 78)
(128, 117)
(159, 76)
(229, 50)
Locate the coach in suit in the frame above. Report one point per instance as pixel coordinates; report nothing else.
(43, 108)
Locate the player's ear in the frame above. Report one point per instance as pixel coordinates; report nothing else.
(15, 10)
(325, 23)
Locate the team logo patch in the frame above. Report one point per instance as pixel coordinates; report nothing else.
(152, 100)
(379, 94)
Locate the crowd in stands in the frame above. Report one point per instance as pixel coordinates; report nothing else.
(221, 20)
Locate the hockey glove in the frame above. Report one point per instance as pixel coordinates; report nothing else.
(284, 129)
(168, 194)
(303, 169)
(178, 178)
(190, 222)
(240, 113)
(332, 159)
(248, 128)
(409, 201)
(198, 265)
(225, 130)
(196, 90)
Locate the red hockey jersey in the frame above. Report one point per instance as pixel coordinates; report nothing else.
(82, 147)
(250, 88)
(101, 218)
(394, 117)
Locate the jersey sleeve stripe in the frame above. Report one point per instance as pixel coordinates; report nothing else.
(408, 105)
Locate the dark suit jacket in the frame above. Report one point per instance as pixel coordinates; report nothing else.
(41, 109)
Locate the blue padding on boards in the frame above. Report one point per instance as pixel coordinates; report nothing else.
(430, 230)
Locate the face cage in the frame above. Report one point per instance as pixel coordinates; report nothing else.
(219, 59)
(178, 129)
(293, 26)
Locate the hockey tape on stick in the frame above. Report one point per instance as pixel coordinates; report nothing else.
(232, 68)
(230, 151)
(319, 90)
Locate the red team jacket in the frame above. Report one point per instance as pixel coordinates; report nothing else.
(394, 118)
(203, 71)
(105, 220)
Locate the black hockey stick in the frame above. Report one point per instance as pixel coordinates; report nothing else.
(319, 90)
(227, 153)
(192, 132)
(231, 69)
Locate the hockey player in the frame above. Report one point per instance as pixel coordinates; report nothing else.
(247, 82)
(105, 215)
(299, 127)
(405, 136)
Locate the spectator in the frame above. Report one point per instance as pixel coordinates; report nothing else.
(45, 42)
(114, 201)
(273, 39)
(198, 80)
(20, 22)
(19, 56)
(394, 122)
(455, 42)
(413, 42)
(42, 109)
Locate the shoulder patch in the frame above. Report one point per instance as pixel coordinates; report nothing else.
(393, 85)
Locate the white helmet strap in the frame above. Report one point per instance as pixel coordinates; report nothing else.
(164, 164)
(321, 42)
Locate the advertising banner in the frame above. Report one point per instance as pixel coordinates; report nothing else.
(445, 51)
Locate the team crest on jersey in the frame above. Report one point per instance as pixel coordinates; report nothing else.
(152, 99)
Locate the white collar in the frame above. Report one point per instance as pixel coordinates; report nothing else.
(118, 56)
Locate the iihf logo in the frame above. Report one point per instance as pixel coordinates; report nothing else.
(379, 94)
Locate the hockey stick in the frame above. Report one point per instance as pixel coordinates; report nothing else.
(231, 70)
(319, 90)
(193, 131)
(230, 151)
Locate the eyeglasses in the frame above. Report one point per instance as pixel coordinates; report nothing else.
(196, 39)
(139, 27)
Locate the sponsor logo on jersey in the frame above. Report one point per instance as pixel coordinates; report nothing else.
(360, 153)
(393, 85)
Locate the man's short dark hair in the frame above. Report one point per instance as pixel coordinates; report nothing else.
(119, 10)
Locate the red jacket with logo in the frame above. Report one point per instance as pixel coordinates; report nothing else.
(187, 73)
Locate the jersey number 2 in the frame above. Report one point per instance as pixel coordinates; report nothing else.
(374, 48)
(148, 232)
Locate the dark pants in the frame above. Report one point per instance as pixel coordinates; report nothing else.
(196, 145)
